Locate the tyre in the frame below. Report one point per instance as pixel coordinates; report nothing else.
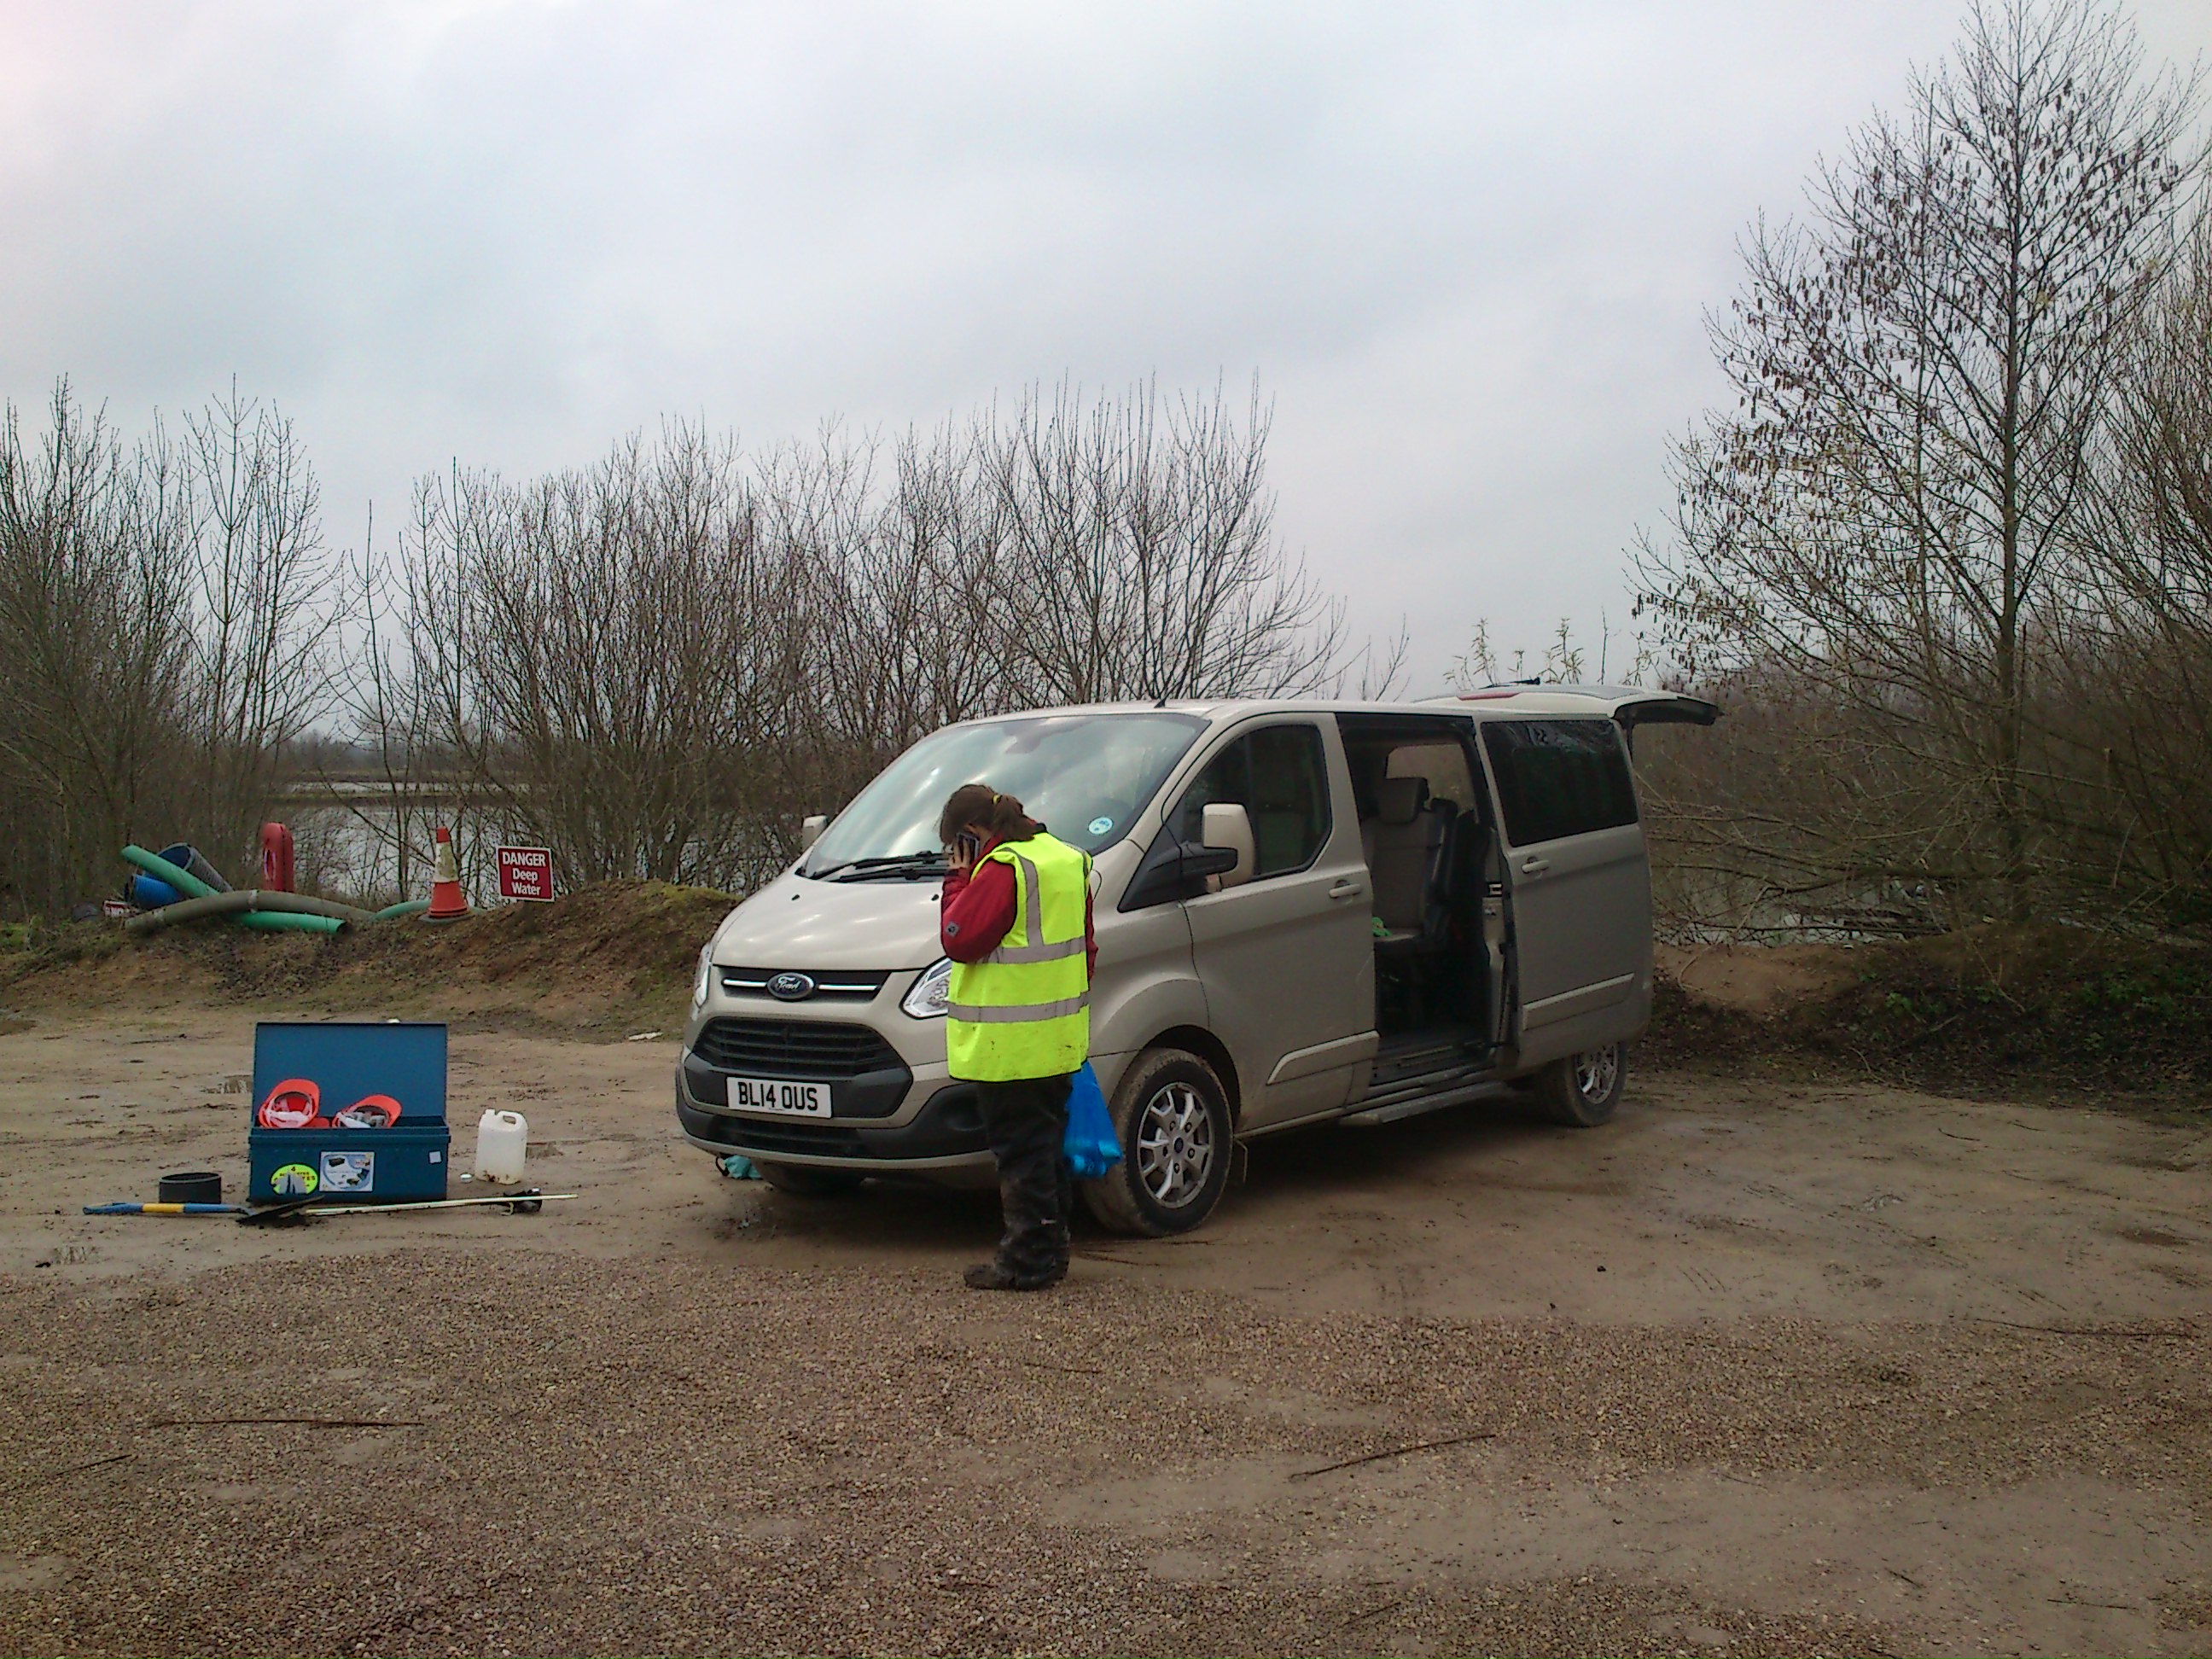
(808, 1181)
(1583, 1090)
(1172, 1116)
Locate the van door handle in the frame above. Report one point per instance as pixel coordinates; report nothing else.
(1346, 889)
(1536, 866)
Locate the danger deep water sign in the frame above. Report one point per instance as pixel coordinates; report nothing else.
(525, 872)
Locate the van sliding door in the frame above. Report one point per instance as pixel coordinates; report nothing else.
(1575, 866)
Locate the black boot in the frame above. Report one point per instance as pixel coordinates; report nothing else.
(994, 1276)
(1019, 1264)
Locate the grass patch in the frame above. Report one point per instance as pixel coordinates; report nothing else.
(1986, 1012)
(33, 947)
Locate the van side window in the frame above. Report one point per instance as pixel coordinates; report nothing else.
(1560, 778)
(1442, 766)
(1279, 776)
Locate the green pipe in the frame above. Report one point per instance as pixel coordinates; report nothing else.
(153, 865)
(287, 921)
(263, 921)
(299, 905)
(405, 907)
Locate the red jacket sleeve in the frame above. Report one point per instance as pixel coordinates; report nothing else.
(977, 911)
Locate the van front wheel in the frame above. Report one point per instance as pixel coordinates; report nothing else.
(1583, 1090)
(1172, 1117)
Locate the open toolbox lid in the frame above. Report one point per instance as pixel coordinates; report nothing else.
(324, 1075)
(1630, 705)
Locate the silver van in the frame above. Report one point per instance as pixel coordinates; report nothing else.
(1306, 912)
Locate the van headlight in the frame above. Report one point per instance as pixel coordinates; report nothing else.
(700, 976)
(926, 997)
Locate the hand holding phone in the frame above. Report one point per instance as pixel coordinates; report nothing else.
(962, 857)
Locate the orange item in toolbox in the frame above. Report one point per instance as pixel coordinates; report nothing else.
(369, 1112)
(295, 1103)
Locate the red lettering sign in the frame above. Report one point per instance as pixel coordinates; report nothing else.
(525, 872)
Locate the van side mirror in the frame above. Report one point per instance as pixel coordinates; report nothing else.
(1170, 872)
(810, 828)
(1226, 826)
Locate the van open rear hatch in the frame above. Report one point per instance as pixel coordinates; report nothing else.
(1630, 705)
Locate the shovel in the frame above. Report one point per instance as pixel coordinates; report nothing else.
(528, 1202)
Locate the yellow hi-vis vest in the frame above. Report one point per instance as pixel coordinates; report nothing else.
(1023, 1011)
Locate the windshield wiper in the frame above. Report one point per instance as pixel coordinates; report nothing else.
(899, 863)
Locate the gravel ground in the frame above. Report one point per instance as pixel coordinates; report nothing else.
(1384, 1403)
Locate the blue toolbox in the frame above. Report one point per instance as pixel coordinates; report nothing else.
(348, 1113)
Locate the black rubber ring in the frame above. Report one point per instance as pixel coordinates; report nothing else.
(193, 1187)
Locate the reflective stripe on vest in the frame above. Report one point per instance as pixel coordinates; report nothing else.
(1023, 1010)
(1030, 912)
(1018, 1013)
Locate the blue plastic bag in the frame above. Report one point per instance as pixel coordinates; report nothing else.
(1090, 1147)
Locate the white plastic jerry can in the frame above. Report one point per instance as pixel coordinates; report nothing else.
(502, 1143)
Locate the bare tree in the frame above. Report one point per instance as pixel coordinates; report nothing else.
(93, 655)
(384, 782)
(1136, 555)
(658, 664)
(163, 615)
(261, 611)
(1565, 660)
(2135, 702)
(653, 664)
(1926, 367)
(611, 654)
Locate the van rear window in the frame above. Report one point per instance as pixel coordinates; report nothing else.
(1560, 778)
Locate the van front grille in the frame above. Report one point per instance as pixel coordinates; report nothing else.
(804, 1049)
(830, 984)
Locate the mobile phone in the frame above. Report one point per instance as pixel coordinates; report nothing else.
(967, 846)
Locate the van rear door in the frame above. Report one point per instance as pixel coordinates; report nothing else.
(1581, 889)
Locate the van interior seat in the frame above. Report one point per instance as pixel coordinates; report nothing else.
(1404, 843)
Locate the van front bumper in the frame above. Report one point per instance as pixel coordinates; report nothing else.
(945, 1136)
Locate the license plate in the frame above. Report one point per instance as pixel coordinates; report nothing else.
(768, 1094)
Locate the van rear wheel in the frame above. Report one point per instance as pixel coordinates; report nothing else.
(1583, 1090)
(1171, 1114)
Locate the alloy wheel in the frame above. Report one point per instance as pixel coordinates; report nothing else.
(1175, 1145)
(1597, 1071)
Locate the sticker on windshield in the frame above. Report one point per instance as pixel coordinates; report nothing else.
(1100, 826)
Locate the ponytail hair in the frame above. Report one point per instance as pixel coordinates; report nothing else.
(978, 803)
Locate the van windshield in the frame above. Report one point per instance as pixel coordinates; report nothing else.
(1085, 777)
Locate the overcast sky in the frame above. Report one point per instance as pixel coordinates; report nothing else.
(1464, 248)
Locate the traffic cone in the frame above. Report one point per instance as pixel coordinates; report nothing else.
(448, 901)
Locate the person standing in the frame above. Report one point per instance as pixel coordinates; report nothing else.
(1017, 924)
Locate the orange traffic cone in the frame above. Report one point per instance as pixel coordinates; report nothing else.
(448, 901)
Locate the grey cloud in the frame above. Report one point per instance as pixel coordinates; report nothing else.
(1464, 248)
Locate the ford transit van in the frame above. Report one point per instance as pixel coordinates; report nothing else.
(1306, 912)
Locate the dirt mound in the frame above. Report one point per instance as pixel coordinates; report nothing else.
(1984, 1011)
(615, 954)
(1760, 978)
